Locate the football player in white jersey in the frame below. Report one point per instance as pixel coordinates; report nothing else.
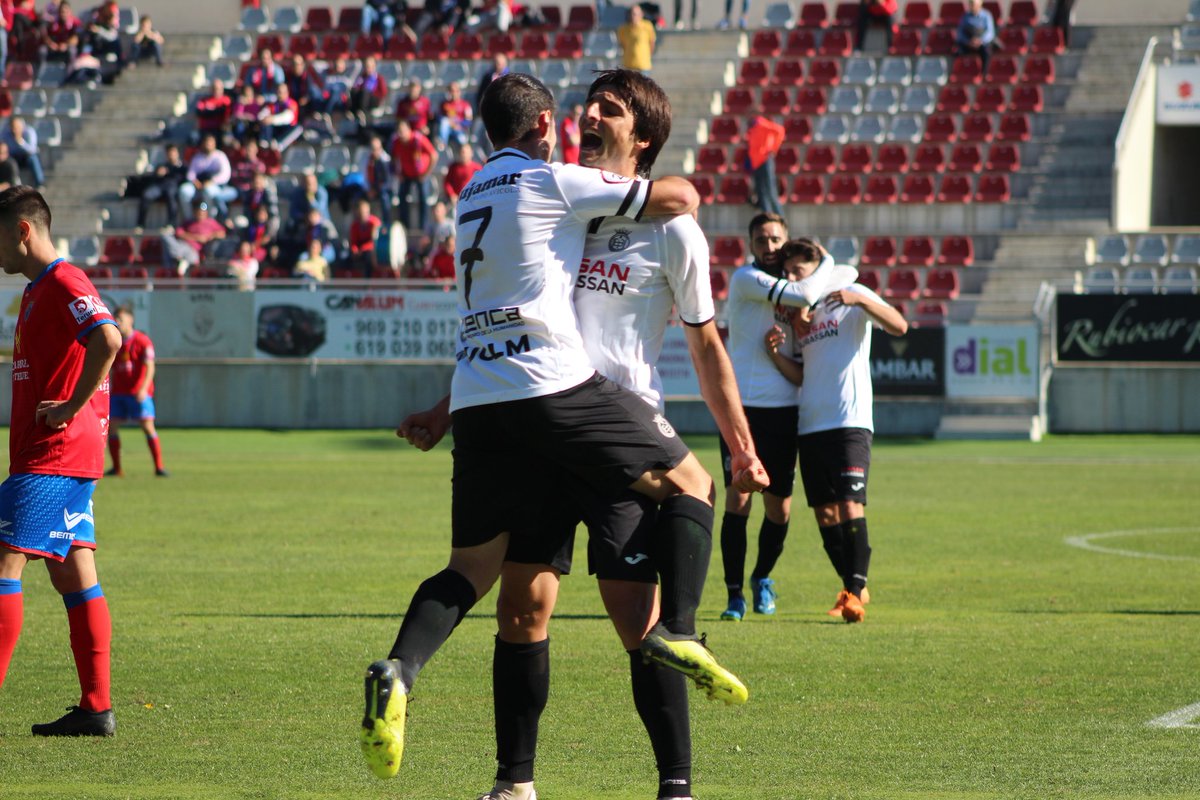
(836, 418)
(526, 403)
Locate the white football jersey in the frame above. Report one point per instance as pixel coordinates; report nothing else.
(521, 226)
(631, 276)
(758, 300)
(837, 390)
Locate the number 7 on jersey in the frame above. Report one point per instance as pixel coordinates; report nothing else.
(473, 254)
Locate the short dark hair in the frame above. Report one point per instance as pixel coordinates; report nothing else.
(24, 203)
(126, 310)
(649, 104)
(804, 248)
(511, 106)
(764, 218)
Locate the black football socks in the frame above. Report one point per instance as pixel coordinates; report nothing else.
(660, 696)
(733, 552)
(438, 606)
(683, 546)
(831, 538)
(520, 689)
(858, 556)
(770, 547)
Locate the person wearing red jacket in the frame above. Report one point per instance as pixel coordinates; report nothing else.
(876, 11)
(762, 143)
(413, 157)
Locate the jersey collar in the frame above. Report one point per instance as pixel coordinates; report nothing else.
(506, 153)
(46, 271)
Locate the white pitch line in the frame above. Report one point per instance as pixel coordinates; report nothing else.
(1179, 718)
(1085, 542)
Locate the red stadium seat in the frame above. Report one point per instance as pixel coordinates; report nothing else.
(728, 251)
(955, 188)
(993, 188)
(845, 14)
(1014, 40)
(1015, 128)
(940, 128)
(369, 45)
(705, 187)
(844, 189)
(878, 251)
(930, 315)
(989, 99)
(810, 100)
(976, 128)
(581, 18)
(881, 189)
(892, 158)
(917, 189)
(776, 101)
(1003, 69)
(870, 279)
(900, 306)
(1022, 12)
(966, 69)
(941, 284)
(318, 19)
(953, 99)
(993, 8)
(350, 19)
(718, 281)
(754, 72)
(807, 190)
(856, 158)
(836, 42)
(820, 158)
(1027, 98)
(800, 43)
(400, 48)
(269, 41)
(918, 13)
(903, 284)
(334, 45)
(6, 103)
(1038, 69)
(303, 45)
(765, 44)
(534, 45)
(916, 251)
(813, 15)
(98, 273)
(711, 158)
(825, 72)
(273, 273)
(568, 44)
(940, 42)
(966, 158)
(741, 155)
(433, 46)
(551, 18)
(956, 251)
(734, 190)
(907, 42)
(725, 130)
(133, 273)
(271, 159)
(467, 46)
(1004, 157)
(150, 251)
(787, 160)
(117, 250)
(928, 159)
(788, 72)
(740, 101)
(797, 130)
(951, 12)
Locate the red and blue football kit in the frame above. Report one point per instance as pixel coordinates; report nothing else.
(129, 370)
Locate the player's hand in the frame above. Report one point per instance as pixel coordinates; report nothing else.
(774, 339)
(844, 297)
(749, 475)
(54, 413)
(424, 429)
(141, 396)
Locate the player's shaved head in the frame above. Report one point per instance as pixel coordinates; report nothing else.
(24, 203)
(511, 107)
(649, 104)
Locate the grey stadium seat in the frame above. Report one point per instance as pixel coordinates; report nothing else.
(1140, 280)
(845, 100)
(31, 103)
(85, 250)
(779, 15)
(556, 74)
(918, 100)
(882, 100)
(299, 158)
(1112, 250)
(1179, 280)
(255, 19)
(895, 70)
(859, 71)
(67, 103)
(335, 157)
(906, 128)
(869, 128)
(832, 128)
(1187, 250)
(49, 132)
(1100, 280)
(1151, 249)
(844, 249)
(288, 18)
(931, 70)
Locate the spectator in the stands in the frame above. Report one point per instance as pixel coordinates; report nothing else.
(24, 23)
(439, 225)
(361, 239)
(6, 25)
(214, 110)
(262, 232)
(460, 172)
(22, 144)
(85, 68)
(333, 91)
(637, 37)
(244, 266)
(875, 12)
(376, 171)
(300, 236)
(495, 15)
(244, 166)
(414, 107)
(454, 117)
(413, 157)
(60, 36)
(262, 194)
(569, 134)
(680, 22)
(103, 35)
(1060, 17)
(244, 115)
(265, 76)
(380, 16)
(10, 171)
(186, 244)
(976, 34)
(162, 183)
(279, 120)
(728, 19)
(312, 264)
(303, 84)
(208, 175)
(498, 67)
(368, 92)
(441, 260)
(147, 43)
(763, 140)
(442, 14)
(308, 196)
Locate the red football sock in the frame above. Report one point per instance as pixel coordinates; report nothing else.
(155, 450)
(12, 613)
(114, 449)
(91, 640)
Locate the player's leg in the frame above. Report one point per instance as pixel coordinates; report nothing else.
(12, 605)
(114, 437)
(771, 534)
(151, 433)
(733, 539)
(853, 453)
(774, 429)
(91, 643)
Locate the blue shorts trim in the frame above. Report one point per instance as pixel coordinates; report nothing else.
(127, 407)
(47, 515)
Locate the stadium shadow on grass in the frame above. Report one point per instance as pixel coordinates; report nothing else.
(396, 616)
(1144, 612)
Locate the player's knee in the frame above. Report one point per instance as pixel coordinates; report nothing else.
(851, 509)
(522, 618)
(737, 502)
(828, 515)
(777, 509)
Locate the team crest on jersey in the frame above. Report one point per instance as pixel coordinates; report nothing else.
(612, 177)
(86, 307)
(619, 240)
(664, 427)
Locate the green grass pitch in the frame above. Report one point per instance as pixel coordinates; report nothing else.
(250, 590)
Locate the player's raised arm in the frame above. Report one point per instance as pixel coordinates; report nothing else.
(888, 317)
(672, 196)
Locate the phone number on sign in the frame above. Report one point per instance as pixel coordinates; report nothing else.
(405, 338)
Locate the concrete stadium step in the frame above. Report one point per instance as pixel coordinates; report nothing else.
(1024, 427)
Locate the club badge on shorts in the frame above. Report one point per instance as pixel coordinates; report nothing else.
(663, 426)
